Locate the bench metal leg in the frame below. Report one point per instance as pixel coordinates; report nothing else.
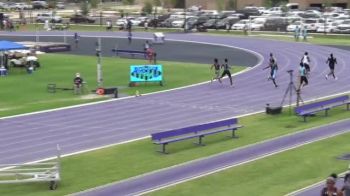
(304, 118)
(234, 133)
(326, 112)
(163, 149)
(200, 143)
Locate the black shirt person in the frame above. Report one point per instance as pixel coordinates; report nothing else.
(78, 82)
(331, 61)
(226, 71)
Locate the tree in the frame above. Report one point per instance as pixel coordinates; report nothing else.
(148, 7)
(128, 2)
(273, 3)
(84, 7)
(94, 3)
(220, 4)
(157, 3)
(52, 3)
(231, 5)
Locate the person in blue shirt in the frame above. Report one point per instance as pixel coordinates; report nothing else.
(303, 79)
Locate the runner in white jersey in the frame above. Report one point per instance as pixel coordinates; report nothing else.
(306, 61)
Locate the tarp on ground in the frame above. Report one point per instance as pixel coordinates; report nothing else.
(8, 45)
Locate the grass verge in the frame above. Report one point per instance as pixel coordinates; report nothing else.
(116, 163)
(23, 93)
(276, 175)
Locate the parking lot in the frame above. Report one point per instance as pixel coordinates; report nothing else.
(327, 20)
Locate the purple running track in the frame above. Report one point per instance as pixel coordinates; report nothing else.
(34, 137)
(183, 172)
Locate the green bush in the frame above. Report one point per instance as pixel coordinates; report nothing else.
(148, 7)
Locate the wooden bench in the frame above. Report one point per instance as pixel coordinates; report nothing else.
(313, 108)
(197, 131)
(133, 53)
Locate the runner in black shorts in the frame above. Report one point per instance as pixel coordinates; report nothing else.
(274, 68)
(217, 67)
(331, 63)
(303, 79)
(227, 72)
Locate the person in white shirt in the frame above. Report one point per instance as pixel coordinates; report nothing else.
(306, 61)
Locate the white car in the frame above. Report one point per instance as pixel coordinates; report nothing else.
(258, 24)
(178, 23)
(20, 6)
(124, 21)
(240, 25)
(48, 16)
(292, 27)
(344, 27)
(312, 24)
(273, 11)
(328, 28)
(60, 5)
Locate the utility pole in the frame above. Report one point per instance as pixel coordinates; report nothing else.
(99, 63)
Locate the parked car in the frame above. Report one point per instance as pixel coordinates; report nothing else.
(258, 24)
(124, 21)
(273, 10)
(167, 22)
(60, 5)
(328, 28)
(240, 25)
(293, 26)
(81, 19)
(313, 24)
(276, 24)
(178, 23)
(210, 24)
(40, 5)
(48, 16)
(344, 27)
(19, 6)
(4, 6)
(229, 20)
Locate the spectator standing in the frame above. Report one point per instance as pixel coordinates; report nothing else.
(330, 189)
(3, 71)
(78, 83)
(146, 25)
(305, 33)
(346, 187)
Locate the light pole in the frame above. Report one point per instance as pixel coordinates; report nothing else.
(185, 30)
(99, 64)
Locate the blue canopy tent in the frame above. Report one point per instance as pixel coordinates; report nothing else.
(8, 45)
